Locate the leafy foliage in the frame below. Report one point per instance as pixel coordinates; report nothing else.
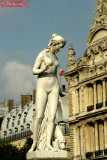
(9, 152)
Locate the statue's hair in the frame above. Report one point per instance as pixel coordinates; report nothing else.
(56, 39)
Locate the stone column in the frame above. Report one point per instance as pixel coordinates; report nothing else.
(101, 136)
(96, 137)
(92, 136)
(73, 102)
(105, 133)
(72, 140)
(80, 100)
(83, 142)
(77, 101)
(99, 92)
(104, 92)
(86, 97)
(76, 141)
(87, 131)
(90, 95)
(70, 103)
(95, 95)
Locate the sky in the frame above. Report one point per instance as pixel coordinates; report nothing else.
(26, 31)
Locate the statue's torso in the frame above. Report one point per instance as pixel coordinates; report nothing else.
(48, 79)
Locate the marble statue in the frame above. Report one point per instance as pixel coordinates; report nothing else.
(47, 136)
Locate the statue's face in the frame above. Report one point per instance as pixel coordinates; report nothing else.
(58, 47)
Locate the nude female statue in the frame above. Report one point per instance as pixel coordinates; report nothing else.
(47, 88)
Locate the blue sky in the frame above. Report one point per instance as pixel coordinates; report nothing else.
(26, 31)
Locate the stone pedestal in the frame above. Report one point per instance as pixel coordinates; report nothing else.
(47, 155)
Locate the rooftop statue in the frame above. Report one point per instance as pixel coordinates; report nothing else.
(100, 15)
(100, 19)
(71, 55)
(47, 136)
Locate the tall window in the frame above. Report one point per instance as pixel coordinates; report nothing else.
(24, 120)
(18, 122)
(12, 124)
(7, 125)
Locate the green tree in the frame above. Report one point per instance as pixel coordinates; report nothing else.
(8, 152)
(25, 148)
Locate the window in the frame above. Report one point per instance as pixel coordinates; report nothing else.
(12, 124)
(24, 120)
(7, 125)
(18, 122)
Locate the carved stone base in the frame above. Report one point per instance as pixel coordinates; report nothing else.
(47, 155)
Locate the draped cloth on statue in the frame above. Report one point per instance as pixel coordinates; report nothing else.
(42, 137)
(58, 140)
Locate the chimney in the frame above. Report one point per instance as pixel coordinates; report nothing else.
(25, 99)
(63, 88)
(10, 104)
(34, 96)
(28, 98)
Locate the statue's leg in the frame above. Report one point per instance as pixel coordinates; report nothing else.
(41, 99)
(52, 108)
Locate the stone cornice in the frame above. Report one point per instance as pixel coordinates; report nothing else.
(88, 115)
(91, 79)
(79, 68)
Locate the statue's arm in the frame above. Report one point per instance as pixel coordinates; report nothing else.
(36, 69)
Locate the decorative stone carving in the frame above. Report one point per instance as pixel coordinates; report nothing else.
(71, 55)
(102, 44)
(100, 19)
(100, 14)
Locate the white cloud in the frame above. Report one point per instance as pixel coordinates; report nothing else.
(16, 79)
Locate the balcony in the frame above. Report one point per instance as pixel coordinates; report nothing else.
(99, 105)
(90, 108)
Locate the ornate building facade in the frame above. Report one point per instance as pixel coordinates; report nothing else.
(87, 85)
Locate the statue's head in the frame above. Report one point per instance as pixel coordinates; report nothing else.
(58, 41)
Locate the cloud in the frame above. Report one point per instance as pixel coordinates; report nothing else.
(16, 79)
(8, 56)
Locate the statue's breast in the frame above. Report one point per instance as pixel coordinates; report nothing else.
(56, 63)
(47, 60)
